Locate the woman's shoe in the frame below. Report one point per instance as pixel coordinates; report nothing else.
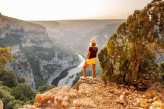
(92, 78)
(83, 78)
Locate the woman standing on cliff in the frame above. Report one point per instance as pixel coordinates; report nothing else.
(91, 58)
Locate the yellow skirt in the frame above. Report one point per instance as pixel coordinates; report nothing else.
(91, 61)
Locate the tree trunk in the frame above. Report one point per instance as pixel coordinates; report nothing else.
(134, 66)
(133, 72)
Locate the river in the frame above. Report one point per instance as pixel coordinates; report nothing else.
(68, 80)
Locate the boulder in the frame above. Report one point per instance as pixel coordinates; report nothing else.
(42, 98)
(150, 94)
(144, 104)
(38, 100)
(85, 88)
(150, 100)
(73, 94)
(58, 98)
(156, 98)
(121, 100)
(157, 104)
(64, 103)
(84, 102)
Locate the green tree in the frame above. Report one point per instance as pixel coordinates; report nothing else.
(23, 93)
(5, 57)
(8, 78)
(136, 42)
(44, 88)
(20, 80)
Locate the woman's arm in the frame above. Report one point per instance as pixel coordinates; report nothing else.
(88, 54)
(96, 53)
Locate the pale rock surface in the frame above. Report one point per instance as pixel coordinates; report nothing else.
(94, 94)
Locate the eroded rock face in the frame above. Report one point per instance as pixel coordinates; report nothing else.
(93, 94)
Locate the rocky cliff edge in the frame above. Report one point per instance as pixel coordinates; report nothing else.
(94, 94)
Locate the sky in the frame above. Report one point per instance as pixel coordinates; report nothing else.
(70, 9)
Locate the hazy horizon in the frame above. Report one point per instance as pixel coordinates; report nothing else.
(73, 20)
(70, 9)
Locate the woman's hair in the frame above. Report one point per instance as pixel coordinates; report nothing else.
(93, 42)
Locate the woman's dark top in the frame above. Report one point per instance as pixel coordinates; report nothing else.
(93, 52)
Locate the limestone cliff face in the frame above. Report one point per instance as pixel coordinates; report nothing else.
(26, 33)
(36, 58)
(22, 68)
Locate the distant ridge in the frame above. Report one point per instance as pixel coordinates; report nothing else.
(72, 20)
(19, 21)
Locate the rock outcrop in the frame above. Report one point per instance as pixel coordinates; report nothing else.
(94, 94)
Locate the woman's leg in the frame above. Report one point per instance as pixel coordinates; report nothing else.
(93, 70)
(84, 69)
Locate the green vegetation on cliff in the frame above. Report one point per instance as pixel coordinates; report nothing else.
(12, 94)
(136, 50)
